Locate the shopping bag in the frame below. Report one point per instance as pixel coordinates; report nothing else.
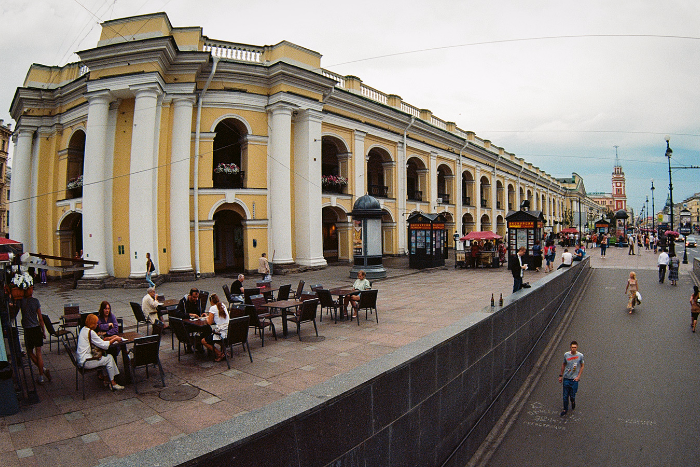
(639, 298)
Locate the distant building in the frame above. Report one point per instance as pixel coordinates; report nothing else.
(580, 209)
(5, 135)
(617, 198)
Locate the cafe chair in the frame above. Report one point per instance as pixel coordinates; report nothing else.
(237, 310)
(57, 333)
(283, 292)
(331, 306)
(260, 322)
(368, 302)
(71, 316)
(183, 337)
(300, 290)
(203, 297)
(247, 293)
(227, 294)
(83, 317)
(79, 369)
(316, 287)
(157, 328)
(306, 314)
(138, 314)
(237, 334)
(145, 352)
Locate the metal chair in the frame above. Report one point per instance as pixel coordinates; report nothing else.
(260, 322)
(79, 368)
(138, 314)
(83, 317)
(326, 300)
(145, 352)
(237, 334)
(71, 316)
(283, 292)
(183, 337)
(306, 314)
(247, 293)
(57, 333)
(227, 294)
(316, 287)
(203, 297)
(300, 290)
(368, 301)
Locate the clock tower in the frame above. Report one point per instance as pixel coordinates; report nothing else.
(618, 186)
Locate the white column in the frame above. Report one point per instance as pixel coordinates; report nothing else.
(142, 169)
(308, 228)
(477, 195)
(180, 252)
(459, 211)
(360, 163)
(432, 182)
(20, 189)
(279, 164)
(109, 186)
(93, 184)
(401, 196)
(494, 202)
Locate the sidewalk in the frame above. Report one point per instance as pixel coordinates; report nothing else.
(62, 429)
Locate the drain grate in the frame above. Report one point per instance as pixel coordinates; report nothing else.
(183, 392)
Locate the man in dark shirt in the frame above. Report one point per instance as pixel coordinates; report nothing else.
(190, 307)
(237, 286)
(34, 333)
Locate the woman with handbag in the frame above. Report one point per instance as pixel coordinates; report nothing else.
(91, 351)
(633, 288)
(694, 307)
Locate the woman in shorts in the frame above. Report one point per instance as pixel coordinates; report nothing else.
(694, 307)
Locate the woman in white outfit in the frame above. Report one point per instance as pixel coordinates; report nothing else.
(85, 358)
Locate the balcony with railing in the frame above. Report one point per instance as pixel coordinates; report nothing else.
(229, 181)
(466, 200)
(445, 197)
(380, 191)
(415, 195)
(484, 203)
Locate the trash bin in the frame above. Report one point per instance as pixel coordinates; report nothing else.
(9, 405)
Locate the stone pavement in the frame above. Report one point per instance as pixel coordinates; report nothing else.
(62, 429)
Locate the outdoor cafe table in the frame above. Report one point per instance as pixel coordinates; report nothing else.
(197, 325)
(283, 305)
(127, 338)
(342, 292)
(267, 292)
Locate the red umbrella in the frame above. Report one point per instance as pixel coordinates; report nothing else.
(481, 235)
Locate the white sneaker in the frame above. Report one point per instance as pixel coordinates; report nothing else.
(117, 387)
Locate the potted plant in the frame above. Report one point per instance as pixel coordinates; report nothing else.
(333, 182)
(75, 186)
(229, 169)
(21, 283)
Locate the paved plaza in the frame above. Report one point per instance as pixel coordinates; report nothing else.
(62, 429)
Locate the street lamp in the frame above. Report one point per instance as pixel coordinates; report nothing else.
(646, 220)
(669, 151)
(653, 212)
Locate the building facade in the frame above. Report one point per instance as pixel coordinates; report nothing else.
(617, 198)
(208, 153)
(5, 141)
(580, 210)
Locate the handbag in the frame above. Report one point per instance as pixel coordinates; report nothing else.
(95, 351)
(639, 298)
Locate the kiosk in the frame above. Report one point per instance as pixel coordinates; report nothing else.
(524, 229)
(602, 227)
(367, 238)
(427, 240)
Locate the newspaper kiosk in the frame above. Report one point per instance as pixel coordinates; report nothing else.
(602, 227)
(524, 229)
(427, 240)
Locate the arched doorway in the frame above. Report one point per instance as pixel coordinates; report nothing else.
(228, 241)
(379, 174)
(415, 179)
(467, 224)
(331, 245)
(485, 223)
(70, 235)
(334, 169)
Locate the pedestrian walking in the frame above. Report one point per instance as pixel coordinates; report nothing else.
(34, 333)
(631, 241)
(694, 307)
(569, 376)
(550, 252)
(518, 269)
(673, 265)
(537, 255)
(264, 267)
(662, 263)
(632, 287)
(603, 245)
(149, 270)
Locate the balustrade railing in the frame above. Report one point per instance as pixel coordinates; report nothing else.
(466, 201)
(438, 122)
(339, 78)
(374, 94)
(234, 51)
(415, 195)
(445, 198)
(228, 181)
(410, 109)
(378, 190)
(484, 203)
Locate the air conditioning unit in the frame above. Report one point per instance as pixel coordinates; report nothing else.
(438, 201)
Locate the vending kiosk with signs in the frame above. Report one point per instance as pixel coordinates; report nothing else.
(427, 240)
(524, 229)
(602, 226)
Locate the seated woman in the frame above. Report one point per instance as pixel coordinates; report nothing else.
(107, 325)
(217, 315)
(87, 339)
(360, 284)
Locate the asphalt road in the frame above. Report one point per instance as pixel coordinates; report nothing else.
(637, 400)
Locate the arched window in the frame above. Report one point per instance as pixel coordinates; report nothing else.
(334, 156)
(74, 172)
(229, 149)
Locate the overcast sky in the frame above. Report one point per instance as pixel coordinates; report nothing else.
(558, 83)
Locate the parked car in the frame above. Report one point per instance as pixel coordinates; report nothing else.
(690, 241)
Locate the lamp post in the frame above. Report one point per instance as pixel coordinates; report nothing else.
(646, 220)
(669, 151)
(653, 212)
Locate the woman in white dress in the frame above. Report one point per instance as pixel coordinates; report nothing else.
(88, 336)
(217, 316)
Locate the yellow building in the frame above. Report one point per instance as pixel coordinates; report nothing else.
(5, 137)
(208, 153)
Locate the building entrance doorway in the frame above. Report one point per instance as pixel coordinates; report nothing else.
(228, 242)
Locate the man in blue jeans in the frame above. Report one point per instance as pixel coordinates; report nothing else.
(570, 374)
